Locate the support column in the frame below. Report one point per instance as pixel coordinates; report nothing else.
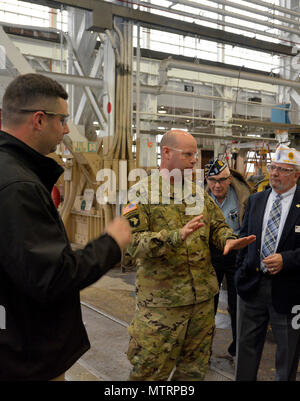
(109, 86)
(82, 60)
(148, 154)
(290, 69)
(223, 113)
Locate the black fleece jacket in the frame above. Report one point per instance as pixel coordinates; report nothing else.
(40, 275)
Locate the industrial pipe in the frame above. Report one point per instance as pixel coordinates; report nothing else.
(212, 20)
(255, 11)
(238, 16)
(209, 69)
(74, 79)
(273, 6)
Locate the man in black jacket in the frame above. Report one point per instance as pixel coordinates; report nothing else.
(40, 275)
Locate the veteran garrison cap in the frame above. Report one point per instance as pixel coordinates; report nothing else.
(214, 167)
(284, 154)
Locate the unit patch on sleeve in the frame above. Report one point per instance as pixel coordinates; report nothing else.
(134, 221)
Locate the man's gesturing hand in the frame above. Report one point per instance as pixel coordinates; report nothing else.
(191, 226)
(120, 230)
(238, 243)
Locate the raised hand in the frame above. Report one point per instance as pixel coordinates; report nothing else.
(191, 226)
(239, 243)
(120, 230)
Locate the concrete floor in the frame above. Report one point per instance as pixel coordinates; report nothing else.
(106, 360)
(114, 295)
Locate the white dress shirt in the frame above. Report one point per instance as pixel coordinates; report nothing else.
(286, 201)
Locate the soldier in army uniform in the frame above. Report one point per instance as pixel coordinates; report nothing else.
(176, 283)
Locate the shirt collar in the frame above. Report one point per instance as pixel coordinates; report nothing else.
(46, 168)
(285, 195)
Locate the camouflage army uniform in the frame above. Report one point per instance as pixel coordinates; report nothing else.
(175, 286)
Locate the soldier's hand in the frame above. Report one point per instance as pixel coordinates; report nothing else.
(238, 243)
(120, 230)
(191, 226)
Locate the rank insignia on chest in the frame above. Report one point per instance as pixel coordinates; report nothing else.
(134, 221)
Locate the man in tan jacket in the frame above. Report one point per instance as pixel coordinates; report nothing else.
(230, 192)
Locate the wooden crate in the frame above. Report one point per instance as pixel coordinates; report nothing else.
(85, 227)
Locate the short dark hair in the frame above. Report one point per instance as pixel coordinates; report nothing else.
(29, 91)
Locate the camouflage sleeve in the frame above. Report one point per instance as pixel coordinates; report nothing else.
(145, 242)
(220, 231)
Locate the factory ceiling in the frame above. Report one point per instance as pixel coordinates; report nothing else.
(103, 14)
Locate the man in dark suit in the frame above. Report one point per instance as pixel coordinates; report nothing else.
(268, 275)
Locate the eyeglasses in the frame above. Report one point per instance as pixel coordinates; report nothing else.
(63, 117)
(187, 155)
(219, 181)
(281, 170)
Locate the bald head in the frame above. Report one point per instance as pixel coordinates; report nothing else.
(178, 150)
(173, 138)
(169, 139)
